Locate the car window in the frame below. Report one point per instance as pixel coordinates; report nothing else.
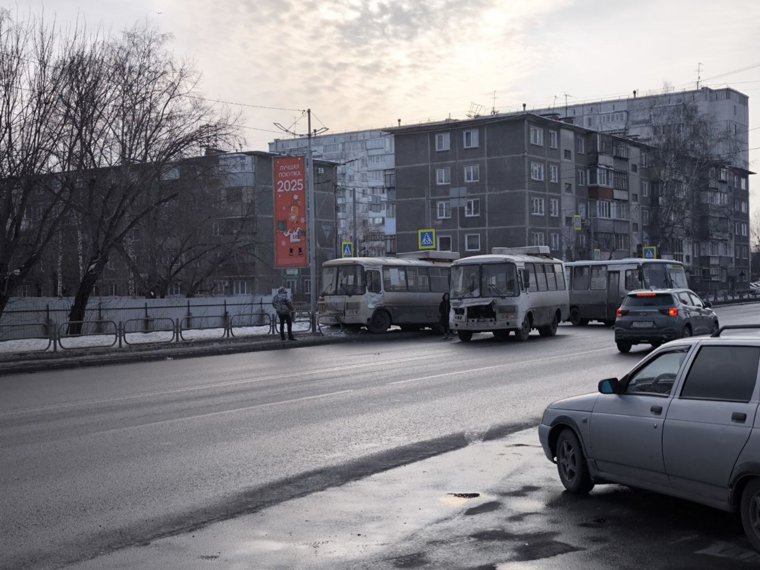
(657, 376)
(648, 300)
(722, 373)
(696, 301)
(685, 299)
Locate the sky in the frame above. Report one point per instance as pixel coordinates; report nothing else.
(362, 64)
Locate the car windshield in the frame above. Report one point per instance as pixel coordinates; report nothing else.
(648, 300)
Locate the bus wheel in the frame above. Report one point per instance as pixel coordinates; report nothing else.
(550, 329)
(464, 336)
(523, 332)
(501, 334)
(379, 322)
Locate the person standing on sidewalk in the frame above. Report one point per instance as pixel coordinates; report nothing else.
(285, 310)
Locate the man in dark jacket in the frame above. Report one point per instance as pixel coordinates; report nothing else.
(443, 311)
(285, 310)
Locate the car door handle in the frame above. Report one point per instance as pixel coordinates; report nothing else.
(739, 417)
(656, 410)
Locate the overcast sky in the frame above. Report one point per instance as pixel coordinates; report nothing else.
(367, 63)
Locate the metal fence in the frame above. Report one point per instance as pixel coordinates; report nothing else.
(108, 327)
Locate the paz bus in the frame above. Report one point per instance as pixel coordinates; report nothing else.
(597, 287)
(512, 289)
(377, 292)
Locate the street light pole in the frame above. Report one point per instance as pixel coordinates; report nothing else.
(312, 223)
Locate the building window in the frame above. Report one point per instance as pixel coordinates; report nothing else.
(644, 217)
(580, 145)
(537, 238)
(634, 168)
(581, 177)
(537, 206)
(442, 141)
(553, 173)
(536, 136)
(472, 208)
(567, 154)
(644, 188)
(472, 242)
(444, 209)
(443, 176)
(634, 197)
(472, 173)
(554, 238)
(470, 138)
(568, 187)
(603, 209)
(536, 170)
(635, 226)
(444, 243)
(553, 207)
(553, 138)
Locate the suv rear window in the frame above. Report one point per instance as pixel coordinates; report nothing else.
(655, 300)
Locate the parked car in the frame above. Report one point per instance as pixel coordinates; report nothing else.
(657, 316)
(682, 422)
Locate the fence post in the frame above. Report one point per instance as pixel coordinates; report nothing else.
(189, 316)
(227, 325)
(120, 332)
(147, 321)
(55, 339)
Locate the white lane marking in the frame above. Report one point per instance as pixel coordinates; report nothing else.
(484, 368)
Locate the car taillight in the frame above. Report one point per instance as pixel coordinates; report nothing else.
(672, 312)
(621, 312)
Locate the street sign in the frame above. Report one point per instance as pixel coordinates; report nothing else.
(347, 247)
(597, 254)
(649, 252)
(426, 239)
(577, 223)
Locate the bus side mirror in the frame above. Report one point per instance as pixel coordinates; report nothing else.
(526, 278)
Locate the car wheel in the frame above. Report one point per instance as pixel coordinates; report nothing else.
(571, 464)
(551, 328)
(750, 512)
(686, 331)
(523, 332)
(624, 347)
(715, 328)
(575, 318)
(464, 336)
(379, 322)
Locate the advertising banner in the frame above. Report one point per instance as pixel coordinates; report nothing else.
(290, 217)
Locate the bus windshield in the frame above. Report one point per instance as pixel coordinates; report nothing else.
(486, 280)
(343, 280)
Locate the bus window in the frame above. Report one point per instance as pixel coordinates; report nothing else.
(350, 280)
(580, 278)
(465, 281)
(439, 279)
(599, 277)
(373, 282)
(394, 279)
(560, 275)
(417, 280)
(632, 280)
(540, 276)
(677, 276)
(655, 276)
(500, 280)
(551, 280)
(329, 280)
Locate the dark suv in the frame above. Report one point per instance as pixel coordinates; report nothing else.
(660, 315)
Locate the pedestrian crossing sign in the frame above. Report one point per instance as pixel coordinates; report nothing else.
(348, 249)
(426, 239)
(649, 252)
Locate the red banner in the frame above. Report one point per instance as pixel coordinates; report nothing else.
(290, 222)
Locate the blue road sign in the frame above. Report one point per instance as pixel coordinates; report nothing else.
(426, 239)
(348, 248)
(649, 252)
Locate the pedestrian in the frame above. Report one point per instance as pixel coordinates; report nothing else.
(443, 311)
(285, 310)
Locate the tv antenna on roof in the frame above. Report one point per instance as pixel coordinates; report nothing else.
(475, 109)
(699, 73)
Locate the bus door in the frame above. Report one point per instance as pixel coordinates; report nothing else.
(613, 294)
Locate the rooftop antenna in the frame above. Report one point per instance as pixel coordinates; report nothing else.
(493, 107)
(475, 109)
(699, 73)
(566, 96)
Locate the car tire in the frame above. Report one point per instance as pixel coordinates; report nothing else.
(464, 336)
(379, 322)
(523, 332)
(750, 512)
(571, 464)
(575, 318)
(686, 331)
(624, 347)
(551, 328)
(715, 328)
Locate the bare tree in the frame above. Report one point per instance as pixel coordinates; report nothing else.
(33, 199)
(131, 112)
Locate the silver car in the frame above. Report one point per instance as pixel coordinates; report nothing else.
(683, 422)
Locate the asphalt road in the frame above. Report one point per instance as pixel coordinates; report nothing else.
(101, 458)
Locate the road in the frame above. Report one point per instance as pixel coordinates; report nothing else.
(96, 459)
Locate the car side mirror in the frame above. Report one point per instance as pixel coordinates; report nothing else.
(609, 386)
(706, 304)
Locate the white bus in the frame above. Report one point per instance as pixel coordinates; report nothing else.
(377, 292)
(597, 287)
(512, 289)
